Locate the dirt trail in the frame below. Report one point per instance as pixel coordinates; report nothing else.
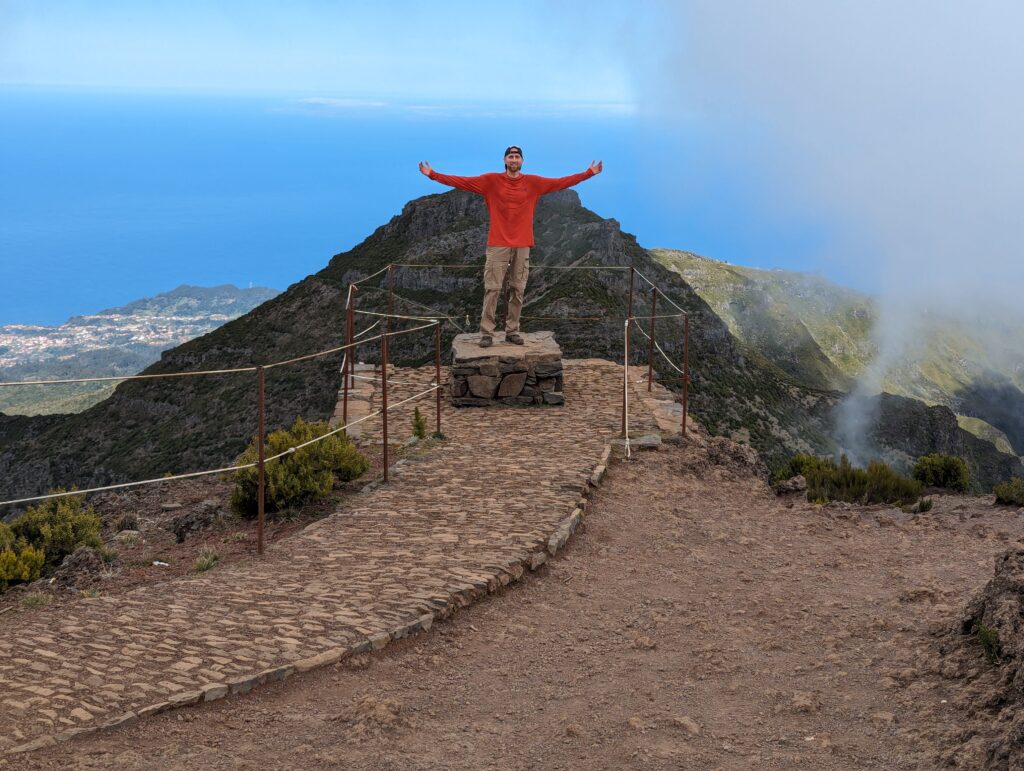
(695, 622)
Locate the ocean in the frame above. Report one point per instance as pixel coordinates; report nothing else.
(109, 197)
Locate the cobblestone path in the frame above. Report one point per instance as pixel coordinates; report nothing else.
(450, 525)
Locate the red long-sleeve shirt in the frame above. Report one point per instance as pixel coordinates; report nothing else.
(511, 201)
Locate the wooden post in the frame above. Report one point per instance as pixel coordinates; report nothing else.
(650, 349)
(260, 464)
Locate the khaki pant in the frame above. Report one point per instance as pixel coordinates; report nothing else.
(499, 260)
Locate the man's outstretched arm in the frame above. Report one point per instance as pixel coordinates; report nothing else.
(547, 185)
(470, 184)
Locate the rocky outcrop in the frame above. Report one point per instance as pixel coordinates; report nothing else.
(994, 621)
(905, 429)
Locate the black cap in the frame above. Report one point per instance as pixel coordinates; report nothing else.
(510, 148)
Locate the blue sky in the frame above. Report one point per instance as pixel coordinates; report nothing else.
(877, 143)
(362, 51)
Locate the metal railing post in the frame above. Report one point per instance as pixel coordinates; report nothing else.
(260, 464)
(391, 293)
(650, 349)
(437, 370)
(384, 398)
(349, 352)
(629, 309)
(686, 368)
(625, 375)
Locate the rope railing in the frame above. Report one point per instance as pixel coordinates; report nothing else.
(658, 347)
(262, 461)
(354, 339)
(127, 377)
(345, 427)
(192, 373)
(477, 266)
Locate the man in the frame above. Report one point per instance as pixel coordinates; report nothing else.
(511, 198)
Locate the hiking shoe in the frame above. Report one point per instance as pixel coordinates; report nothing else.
(486, 341)
(514, 338)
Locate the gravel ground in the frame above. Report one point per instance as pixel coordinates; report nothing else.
(695, 622)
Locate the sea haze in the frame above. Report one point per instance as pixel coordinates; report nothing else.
(105, 197)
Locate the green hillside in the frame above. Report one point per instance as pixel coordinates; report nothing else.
(823, 335)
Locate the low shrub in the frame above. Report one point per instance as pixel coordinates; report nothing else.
(127, 521)
(941, 470)
(419, 424)
(20, 565)
(207, 559)
(36, 600)
(58, 526)
(989, 639)
(302, 475)
(803, 465)
(1011, 492)
(831, 481)
(924, 505)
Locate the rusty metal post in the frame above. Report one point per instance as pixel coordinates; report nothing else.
(686, 368)
(391, 293)
(437, 370)
(650, 349)
(632, 273)
(349, 353)
(260, 464)
(384, 398)
(625, 375)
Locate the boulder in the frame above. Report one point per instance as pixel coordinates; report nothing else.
(201, 516)
(83, 567)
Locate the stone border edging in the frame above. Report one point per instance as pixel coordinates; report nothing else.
(503, 576)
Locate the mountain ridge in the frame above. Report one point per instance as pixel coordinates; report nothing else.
(147, 428)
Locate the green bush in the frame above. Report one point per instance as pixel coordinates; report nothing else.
(299, 476)
(58, 526)
(419, 424)
(803, 465)
(924, 505)
(941, 470)
(20, 566)
(1010, 492)
(831, 481)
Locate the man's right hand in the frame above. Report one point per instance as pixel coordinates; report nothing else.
(425, 168)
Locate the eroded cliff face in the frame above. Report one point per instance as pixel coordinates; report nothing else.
(905, 429)
(148, 428)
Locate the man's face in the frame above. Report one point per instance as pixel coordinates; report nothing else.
(513, 162)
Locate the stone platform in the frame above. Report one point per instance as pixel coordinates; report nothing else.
(504, 373)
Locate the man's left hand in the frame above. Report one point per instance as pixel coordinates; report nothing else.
(596, 167)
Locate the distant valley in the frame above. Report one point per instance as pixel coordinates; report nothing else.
(115, 341)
